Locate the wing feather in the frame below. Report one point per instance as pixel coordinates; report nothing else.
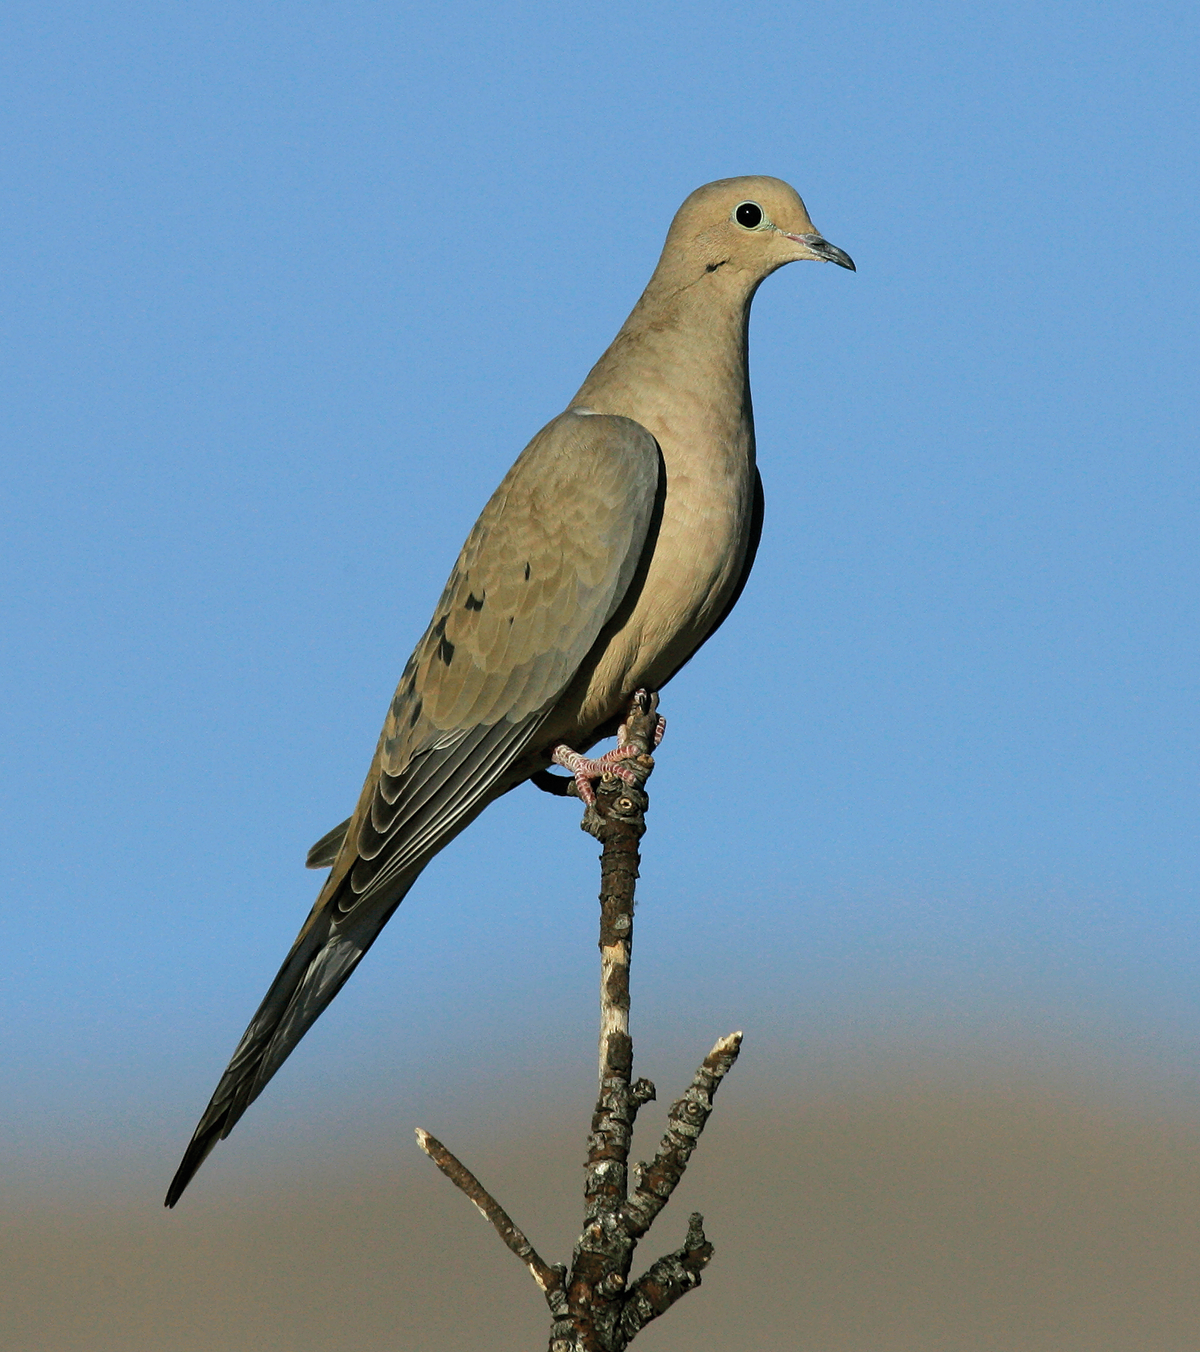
(544, 569)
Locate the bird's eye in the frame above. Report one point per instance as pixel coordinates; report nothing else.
(749, 215)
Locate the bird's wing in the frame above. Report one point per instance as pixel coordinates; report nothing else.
(543, 570)
(325, 851)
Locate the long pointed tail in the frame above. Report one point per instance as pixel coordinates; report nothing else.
(327, 950)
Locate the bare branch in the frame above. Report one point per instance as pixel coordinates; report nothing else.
(550, 1279)
(604, 1252)
(672, 1276)
(618, 820)
(657, 1180)
(596, 1308)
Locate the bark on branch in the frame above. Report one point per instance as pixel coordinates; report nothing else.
(594, 1305)
(549, 1279)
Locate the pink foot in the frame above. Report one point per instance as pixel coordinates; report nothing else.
(585, 769)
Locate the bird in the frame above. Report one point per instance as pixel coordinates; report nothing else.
(617, 543)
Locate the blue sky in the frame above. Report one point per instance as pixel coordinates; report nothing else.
(284, 290)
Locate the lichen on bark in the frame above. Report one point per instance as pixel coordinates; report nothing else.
(594, 1305)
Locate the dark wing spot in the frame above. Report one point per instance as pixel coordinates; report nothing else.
(416, 713)
(408, 678)
(527, 571)
(446, 650)
(712, 267)
(511, 618)
(440, 628)
(474, 603)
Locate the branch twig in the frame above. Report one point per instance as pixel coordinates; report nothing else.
(595, 1308)
(549, 1278)
(656, 1181)
(674, 1275)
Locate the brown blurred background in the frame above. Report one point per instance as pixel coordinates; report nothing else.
(917, 1205)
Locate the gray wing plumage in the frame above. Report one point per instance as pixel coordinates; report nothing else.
(545, 567)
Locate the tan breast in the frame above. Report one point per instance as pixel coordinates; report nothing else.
(694, 398)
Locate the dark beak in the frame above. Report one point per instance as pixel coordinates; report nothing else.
(826, 252)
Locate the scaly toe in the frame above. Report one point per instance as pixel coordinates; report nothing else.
(585, 769)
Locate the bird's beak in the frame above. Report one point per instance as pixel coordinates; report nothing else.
(821, 248)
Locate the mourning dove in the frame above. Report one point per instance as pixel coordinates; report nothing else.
(614, 547)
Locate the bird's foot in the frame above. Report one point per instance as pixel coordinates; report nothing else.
(586, 769)
(642, 698)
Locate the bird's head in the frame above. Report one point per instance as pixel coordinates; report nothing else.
(746, 227)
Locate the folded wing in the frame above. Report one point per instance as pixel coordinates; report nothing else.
(545, 567)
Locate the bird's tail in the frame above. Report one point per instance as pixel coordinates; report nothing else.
(327, 950)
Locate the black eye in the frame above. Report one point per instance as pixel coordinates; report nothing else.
(748, 214)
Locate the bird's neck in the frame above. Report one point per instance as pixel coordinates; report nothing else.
(679, 367)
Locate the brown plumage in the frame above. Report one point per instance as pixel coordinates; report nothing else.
(614, 547)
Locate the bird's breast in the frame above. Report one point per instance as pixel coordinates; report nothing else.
(694, 564)
(700, 550)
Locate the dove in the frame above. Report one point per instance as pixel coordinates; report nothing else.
(614, 547)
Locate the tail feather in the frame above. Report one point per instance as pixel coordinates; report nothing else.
(326, 850)
(322, 959)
